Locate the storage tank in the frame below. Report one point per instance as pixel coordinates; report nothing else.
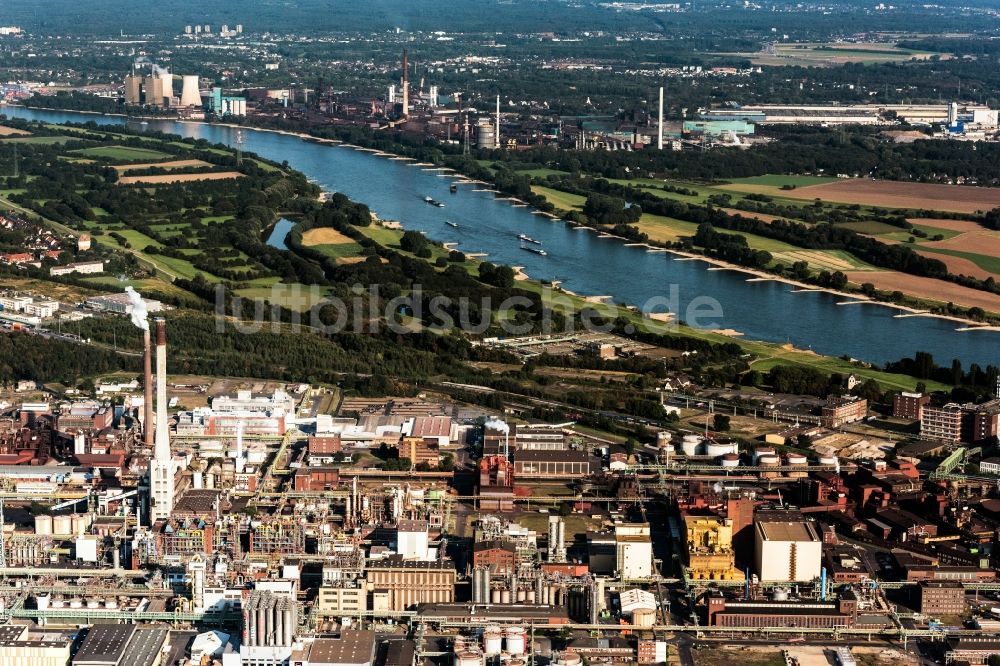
(730, 460)
(763, 451)
(43, 525)
(495, 596)
(568, 659)
(716, 449)
(485, 134)
(522, 595)
(796, 459)
(515, 640)
(492, 641)
(769, 459)
(691, 445)
(644, 617)
(62, 524)
(468, 658)
(505, 597)
(827, 460)
(663, 439)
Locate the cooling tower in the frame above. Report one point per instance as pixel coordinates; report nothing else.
(168, 86)
(190, 93)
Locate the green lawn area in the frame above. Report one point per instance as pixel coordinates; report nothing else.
(779, 180)
(339, 251)
(665, 229)
(561, 200)
(295, 296)
(39, 140)
(872, 228)
(123, 154)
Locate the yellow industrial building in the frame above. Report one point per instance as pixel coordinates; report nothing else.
(710, 548)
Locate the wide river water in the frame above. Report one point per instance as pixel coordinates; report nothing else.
(586, 264)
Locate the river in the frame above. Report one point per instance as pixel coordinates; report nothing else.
(586, 264)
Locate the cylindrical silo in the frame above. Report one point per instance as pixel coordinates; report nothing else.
(515, 640)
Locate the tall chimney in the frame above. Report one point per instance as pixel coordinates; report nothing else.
(147, 389)
(496, 135)
(162, 444)
(406, 84)
(659, 132)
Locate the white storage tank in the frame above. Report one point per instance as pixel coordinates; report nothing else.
(763, 451)
(716, 449)
(515, 640)
(691, 445)
(730, 460)
(769, 459)
(62, 524)
(492, 641)
(827, 460)
(43, 525)
(796, 459)
(663, 439)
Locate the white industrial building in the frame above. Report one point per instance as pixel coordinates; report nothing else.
(412, 539)
(633, 550)
(787, 551)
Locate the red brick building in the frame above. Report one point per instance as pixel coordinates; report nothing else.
(910, 406)
(498, 556)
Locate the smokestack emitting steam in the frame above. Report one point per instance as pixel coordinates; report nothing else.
(139, 318)
(139, 314)
(496, 424)
(659, 131)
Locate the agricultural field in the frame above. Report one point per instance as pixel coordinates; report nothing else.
(938, 290)
(167, 178)
(332, 243)
(171, 164)
(831, 54)
(12, 131)
(891, 194)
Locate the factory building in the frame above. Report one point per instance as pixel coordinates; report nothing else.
(226, 105)
(941, 597)
(342, 598)
(787, 551)
(710, 553)
(841, 410)
(410, 582)
(552, 464)
(783, 613)
(633, 550)
(906, 405)
(19, 649)
(349, 648)
(856, 114)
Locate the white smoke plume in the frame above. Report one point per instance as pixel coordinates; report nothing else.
(497, 424)
(139, 314)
